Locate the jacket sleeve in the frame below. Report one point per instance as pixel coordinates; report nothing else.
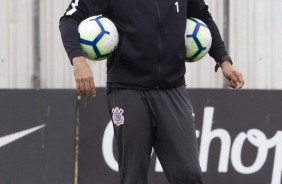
(199, 9)
(77, 11)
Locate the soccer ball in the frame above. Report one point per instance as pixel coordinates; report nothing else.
(98, 37)
(198, 40)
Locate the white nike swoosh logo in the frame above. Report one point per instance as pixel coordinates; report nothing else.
(15, 136)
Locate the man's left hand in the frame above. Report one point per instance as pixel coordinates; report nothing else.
(234, 78)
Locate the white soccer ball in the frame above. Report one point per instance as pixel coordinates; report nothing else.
(98, 37)
(198, 40)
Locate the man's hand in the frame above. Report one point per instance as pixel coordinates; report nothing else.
(83, 77)
(234, 77)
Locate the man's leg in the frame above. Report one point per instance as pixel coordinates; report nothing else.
(133, 133)
(175, 142)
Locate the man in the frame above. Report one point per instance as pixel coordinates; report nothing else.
(146, 92)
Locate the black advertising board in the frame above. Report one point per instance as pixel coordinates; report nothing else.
(239, 135)
(37, 136)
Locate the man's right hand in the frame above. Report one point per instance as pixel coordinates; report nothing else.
(83, 77)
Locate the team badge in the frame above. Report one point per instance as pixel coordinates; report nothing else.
(118, 118)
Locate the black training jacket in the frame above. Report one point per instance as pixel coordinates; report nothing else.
(151, 47)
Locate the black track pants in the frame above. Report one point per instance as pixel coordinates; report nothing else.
(163, 119)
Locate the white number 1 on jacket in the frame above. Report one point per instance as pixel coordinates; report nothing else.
(177, 6)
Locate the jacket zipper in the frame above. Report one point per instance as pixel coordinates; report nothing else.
(160, 44)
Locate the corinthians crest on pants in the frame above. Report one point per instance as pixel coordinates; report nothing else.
(118, 118)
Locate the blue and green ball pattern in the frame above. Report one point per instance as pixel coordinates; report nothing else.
(98, 38)
(198, 40)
